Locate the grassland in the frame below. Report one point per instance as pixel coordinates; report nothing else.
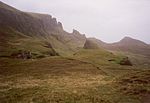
(90, 75)
(85, 77)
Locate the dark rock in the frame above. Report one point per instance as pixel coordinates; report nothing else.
(75, 54)
(41, 56)
(60, 25)
(22, 55)
(111, 60)
(125, 61)
(48, 45)
(75, 32)
(54, 21)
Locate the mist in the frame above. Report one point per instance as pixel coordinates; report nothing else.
(107, 20)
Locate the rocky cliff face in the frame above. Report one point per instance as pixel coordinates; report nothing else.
(30, 24)
(30, 31)
(89, 44)
(16, 24)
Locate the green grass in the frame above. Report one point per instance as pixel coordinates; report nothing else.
(63, 80)
(96, 56)
(84, 76)
(11, 41)
(76, 76)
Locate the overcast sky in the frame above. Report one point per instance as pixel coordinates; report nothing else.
(107, 20)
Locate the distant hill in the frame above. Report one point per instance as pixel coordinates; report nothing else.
(127, 44)
(32, 31)
(42, 34)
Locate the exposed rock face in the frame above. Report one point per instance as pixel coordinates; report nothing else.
(60, 26)
(22, 55)
(125, 61)
(28, 23)
(43, 27)
(90, 45)
(28, 55)
(75, 32)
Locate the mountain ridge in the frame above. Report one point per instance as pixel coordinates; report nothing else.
(35, 27)
(46, 29)
(127, 44)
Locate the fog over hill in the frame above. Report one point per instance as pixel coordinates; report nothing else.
(35, 32)
(107, 20)
(16, 24)
(127, 44)
(40, 62)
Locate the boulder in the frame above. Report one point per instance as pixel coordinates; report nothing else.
(22, 55)
(125, 61)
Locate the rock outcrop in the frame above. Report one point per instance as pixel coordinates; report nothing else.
(90, 45)
(36, 29)
(22, 55)
(125, 61)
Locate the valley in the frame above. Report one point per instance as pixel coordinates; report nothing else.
(42, 63)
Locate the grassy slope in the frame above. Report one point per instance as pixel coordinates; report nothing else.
(100, 58)
(12, 41)
(34, 45)
(127, 44)
(29, 31)
(138, 60)
(86, 77)
(56, 80)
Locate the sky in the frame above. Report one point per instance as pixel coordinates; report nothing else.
(107, 20)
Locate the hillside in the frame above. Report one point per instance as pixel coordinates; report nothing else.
(45, 32)
(42, 63)
(127, 45)
(33, 32)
